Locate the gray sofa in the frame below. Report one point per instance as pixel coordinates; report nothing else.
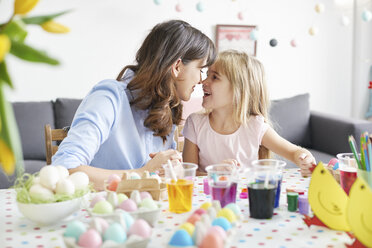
(324, 135)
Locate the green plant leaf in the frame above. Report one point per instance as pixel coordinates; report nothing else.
(4, 76)
(31, 54)
(41, 19)
(16, 30)
(9, 131)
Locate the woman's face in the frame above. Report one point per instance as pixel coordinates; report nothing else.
(217, 90)
(189, 75)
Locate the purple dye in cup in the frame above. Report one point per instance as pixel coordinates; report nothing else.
(224, 192)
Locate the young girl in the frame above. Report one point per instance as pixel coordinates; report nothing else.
(235, 126)
(128, 123)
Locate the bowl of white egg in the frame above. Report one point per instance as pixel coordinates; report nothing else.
(52, 194)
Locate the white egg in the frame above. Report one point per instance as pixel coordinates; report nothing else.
(49, 177)
(36, 180)
(62, 171)
(206, 219)
(112, 198)
(135, 196)
(212, 213)
(80, 179)
(134, 175)
(38, 192)
(65, 186)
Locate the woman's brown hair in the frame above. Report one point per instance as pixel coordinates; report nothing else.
(167, 42)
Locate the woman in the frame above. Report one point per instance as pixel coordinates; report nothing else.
(128, 123)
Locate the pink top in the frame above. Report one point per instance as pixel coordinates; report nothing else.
(241, 145)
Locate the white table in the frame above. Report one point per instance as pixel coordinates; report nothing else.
(285, 229)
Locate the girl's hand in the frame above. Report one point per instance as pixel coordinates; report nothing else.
(305, 160)
(233, 162)
(157, 159)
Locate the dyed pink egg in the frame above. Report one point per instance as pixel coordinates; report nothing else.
(218, 230)
(113, 185)
(140, 228)
(211, 240)
(113, 177)
(90, 239)
(145, 194)
(128, 205)
(193, 218)
(96, 199)
(200, 211)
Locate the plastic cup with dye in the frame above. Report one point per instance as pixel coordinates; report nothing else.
(262, 186)
(348, 170)
(223, 183)
(180, 184)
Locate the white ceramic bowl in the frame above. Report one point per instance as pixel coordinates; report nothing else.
(50, 213)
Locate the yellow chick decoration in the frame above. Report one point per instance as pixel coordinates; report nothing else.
(359, 211)
(327, 199)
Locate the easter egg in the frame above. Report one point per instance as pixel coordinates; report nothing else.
(145, 194)
(103, 207)
(206, 220)
(122, 197)
(96, 199)
(113, 185)
(181, 238)
(211, 240)
(127, 218)
(140, 228)
(228, 214)
(200, 211)
(193, 218)
(65, 186)
(212, 213)
(74, 229)
(49, 176)
(62, 171)
(128, 205)
(36, 180)
(112, 198)
(188, 227)
(80, 179)
(206, 205)
(90, 239)
(235, 208)
(134, 175)
(39, 193)
(116, 233)
(219, 230)
(222, 222)
(148, 203)
(113, 177)
(99, 224)
(135, 196)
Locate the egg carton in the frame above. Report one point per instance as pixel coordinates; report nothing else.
(149, 215)
(71, 243)
(157, 190)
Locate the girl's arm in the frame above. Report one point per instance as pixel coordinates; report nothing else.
(298, 155)
(190, 154)
(98, 175)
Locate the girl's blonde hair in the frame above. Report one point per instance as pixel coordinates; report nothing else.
(250, 96)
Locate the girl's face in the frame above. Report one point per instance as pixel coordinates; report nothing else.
(189, 75)
(217, 89)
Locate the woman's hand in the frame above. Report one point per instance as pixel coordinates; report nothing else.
(305, 160)
(157, 159)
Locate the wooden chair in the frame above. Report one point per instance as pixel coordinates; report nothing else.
(50, 136)
(178, 137)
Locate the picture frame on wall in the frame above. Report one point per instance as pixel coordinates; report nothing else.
(237, 37)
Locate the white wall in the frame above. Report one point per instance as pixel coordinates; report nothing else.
(105, 34)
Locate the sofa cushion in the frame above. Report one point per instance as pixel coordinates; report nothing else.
(31, 118)
(64, 111)
(291, 119)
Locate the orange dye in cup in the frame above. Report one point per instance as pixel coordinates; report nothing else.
(180, 195)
